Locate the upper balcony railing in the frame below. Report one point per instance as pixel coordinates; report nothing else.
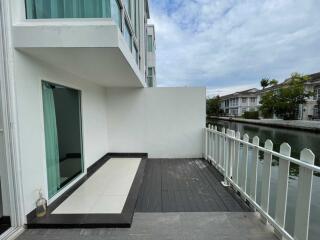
(46, 9)
(81, 9)
(231, 155)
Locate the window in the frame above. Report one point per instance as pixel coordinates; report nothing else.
(244, 100)
(150, 77)
(116, 12)
(150, 43)
(128, 36)
(127, 4)
(150, 71)
(316, 93)
(316, 112)
(234, 102)
(253, 100)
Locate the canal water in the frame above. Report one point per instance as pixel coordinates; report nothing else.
(298, 140)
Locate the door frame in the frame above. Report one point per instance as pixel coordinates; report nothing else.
(10, 130)
(83, 172)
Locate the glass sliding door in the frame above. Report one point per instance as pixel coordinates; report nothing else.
(63, 141)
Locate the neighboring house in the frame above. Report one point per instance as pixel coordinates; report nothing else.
(249, 100)
(310, 110)
(74, 88)
(151, 57)
(238, 103)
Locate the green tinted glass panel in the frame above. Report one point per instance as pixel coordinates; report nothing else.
(128, 36)
(127, 4)
(150, 72)
(42, 9)
(150, 45)
(116, 12)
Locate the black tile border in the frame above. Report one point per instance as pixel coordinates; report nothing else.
(122, 220)
(5, 223)
(5, 220)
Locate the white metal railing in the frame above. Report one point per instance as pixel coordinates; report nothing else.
(222, 149)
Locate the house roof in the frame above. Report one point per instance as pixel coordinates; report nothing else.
(245, 92)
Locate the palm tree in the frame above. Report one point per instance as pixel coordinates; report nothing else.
(264, 83)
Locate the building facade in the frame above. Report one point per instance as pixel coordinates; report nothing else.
(311, 110)
(238, 103)
(249, 100)
(74, 87)
(151, 57)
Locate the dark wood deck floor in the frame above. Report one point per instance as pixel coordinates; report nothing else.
(185, 185)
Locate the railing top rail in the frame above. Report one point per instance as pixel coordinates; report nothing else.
(288, 158)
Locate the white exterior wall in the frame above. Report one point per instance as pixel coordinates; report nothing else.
(28, 76)
(164, 122)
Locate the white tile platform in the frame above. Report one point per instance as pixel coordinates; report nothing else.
(105, 192)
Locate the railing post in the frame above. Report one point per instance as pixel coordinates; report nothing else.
(216, 140)
(235, 171)
(282, 188)
(228, 156)
(222, 148)
(231, 153)
(208, 141)
(266, 173)
(244, 164)
(211, 145)
(302, 215)
(254, 169)
(205, 143)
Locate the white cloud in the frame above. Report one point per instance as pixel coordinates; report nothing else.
(226, 43)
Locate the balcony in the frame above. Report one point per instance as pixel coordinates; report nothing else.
(219, 195)
(85, 38)
(178, 199)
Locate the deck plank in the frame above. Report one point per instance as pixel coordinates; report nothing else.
(185, 185)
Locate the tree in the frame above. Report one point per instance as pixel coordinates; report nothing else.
(264, 82)
(213, 106)
(267, 102)
(285, 100)
(273, 82)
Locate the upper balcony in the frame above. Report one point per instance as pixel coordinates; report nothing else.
(151, 46)
(95, 40)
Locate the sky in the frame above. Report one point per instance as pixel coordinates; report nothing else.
(229, 45)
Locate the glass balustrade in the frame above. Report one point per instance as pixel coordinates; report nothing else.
(45, 9)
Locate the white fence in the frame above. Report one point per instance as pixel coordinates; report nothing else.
(222, 149)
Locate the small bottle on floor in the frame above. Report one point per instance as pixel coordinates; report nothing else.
(41, 206)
